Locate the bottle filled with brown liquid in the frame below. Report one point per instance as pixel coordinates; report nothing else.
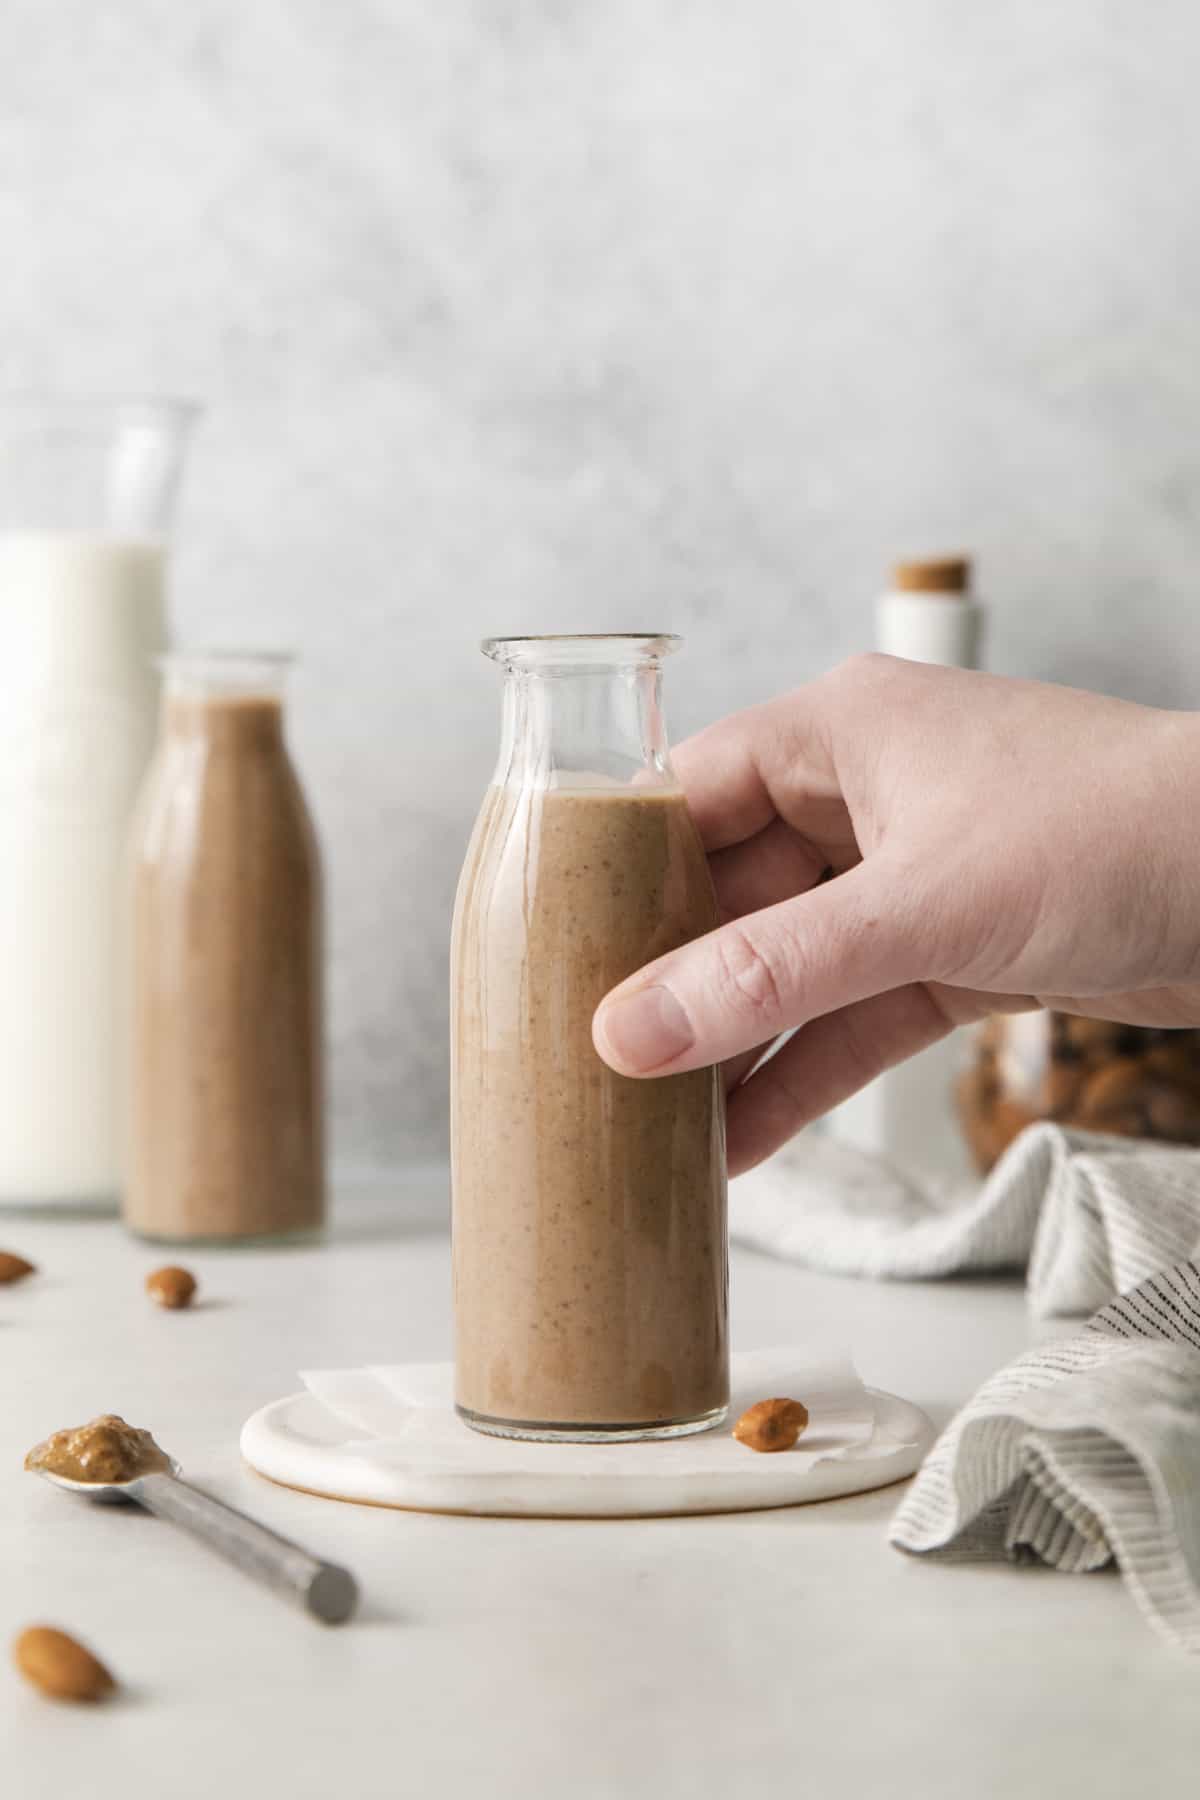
(225, 1020)
(590, 1261)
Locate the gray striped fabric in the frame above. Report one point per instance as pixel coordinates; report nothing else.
(1087, 1215)
(1083, 1454)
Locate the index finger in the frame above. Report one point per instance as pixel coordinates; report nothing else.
(768, 761)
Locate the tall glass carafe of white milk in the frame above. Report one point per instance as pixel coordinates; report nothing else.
(87, 492)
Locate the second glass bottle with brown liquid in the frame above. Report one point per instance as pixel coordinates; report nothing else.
(589, 1215)
(225, 1065)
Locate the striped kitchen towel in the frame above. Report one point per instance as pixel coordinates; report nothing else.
(1083, 1454)
(1087, 1215)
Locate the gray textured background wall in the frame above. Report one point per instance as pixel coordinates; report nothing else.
(582, 313)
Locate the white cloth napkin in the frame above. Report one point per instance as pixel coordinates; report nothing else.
(1089, 1215)
(1082, 1454)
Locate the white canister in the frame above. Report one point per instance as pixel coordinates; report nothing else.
(906, 1115)
(929, 615)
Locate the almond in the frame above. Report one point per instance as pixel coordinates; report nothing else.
(1004, 1123)
(60, 1666)
(1092, 1037)
(771, 1424)
(1113, 1090)
(172, 1287)
(1173, 1113)
(1175, 1064)
(14, 1268)
(1060, 1087)
(974, 1097)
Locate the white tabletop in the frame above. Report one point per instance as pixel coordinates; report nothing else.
(783, 1653)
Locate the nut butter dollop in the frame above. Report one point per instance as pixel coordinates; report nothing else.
(105, 1450)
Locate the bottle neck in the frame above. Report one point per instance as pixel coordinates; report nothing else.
(230, 698)
(584, 728)
(227, 721)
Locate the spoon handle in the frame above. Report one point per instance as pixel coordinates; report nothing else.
(326, 1591)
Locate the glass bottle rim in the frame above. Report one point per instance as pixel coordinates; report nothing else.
(226, 671)
(582, 649)
(93, 413)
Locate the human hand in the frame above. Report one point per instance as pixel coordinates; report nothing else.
(997, 845)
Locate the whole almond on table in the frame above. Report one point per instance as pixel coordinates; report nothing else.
(60, 1666)
(14, 1268)
(771, 1425)
(172, 1287)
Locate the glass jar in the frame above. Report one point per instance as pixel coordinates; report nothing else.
(225, 1055)
(589, 1214)
(87, 493)
(1134, 1081)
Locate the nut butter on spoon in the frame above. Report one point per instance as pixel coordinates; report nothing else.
(110, 1460)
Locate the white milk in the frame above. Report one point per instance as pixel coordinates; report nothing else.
(81, 620)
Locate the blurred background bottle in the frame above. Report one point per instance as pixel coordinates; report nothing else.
(87, 493)
(907, 1115)
(226, 1083)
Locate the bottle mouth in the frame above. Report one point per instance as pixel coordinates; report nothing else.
(94, 415)
(582, 650)
(229, 672)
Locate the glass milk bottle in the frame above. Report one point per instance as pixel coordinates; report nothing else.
(589, 1225)
(225, 1080)
(87, 492)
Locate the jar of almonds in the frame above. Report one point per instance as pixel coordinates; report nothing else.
(1128, 1079)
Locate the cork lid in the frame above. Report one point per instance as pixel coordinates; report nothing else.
(936, 575)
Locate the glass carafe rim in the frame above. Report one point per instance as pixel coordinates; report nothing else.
(94, 411)
(581, 650)
(226, 671)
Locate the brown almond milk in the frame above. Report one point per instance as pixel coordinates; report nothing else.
(589, 1209)
(226, 1026)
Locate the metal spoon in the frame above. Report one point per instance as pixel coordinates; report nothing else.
(326, 1591)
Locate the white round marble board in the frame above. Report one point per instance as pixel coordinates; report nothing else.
(451, 1469)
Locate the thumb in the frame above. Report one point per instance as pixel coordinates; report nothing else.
(743, 984)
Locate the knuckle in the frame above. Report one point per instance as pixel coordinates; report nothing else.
(750, 975)
(866, 670)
